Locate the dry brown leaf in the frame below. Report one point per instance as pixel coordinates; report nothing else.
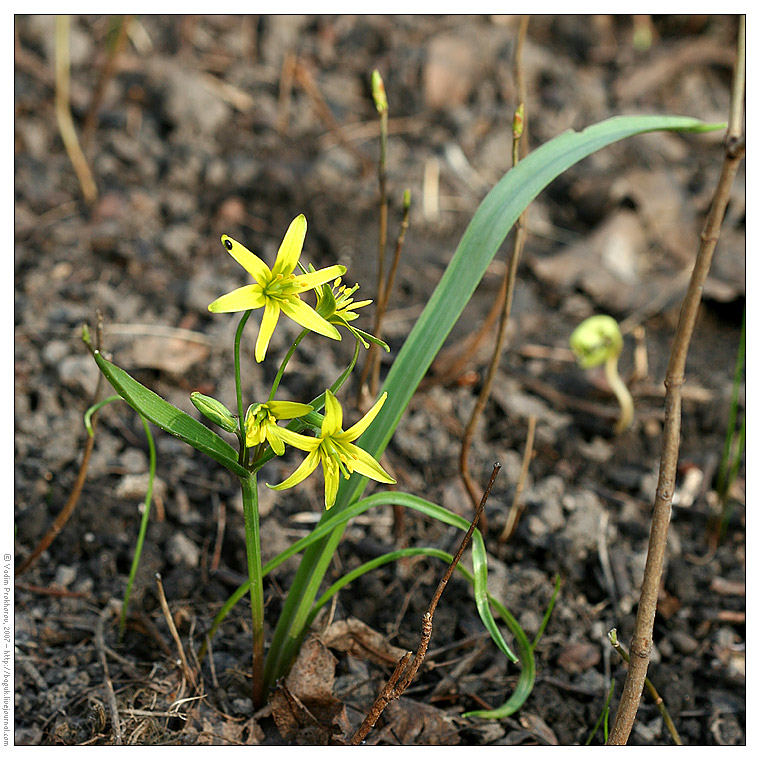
(358, 639)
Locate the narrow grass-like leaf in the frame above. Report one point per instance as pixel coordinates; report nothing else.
(479, 561)
(168, 417)
(484, 235)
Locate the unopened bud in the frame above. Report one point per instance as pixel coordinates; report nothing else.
(407, 200)
(517, 122)
(215, 411)
(378, 92)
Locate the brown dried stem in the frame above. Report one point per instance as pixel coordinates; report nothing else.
(658, 700)
(383, 297)
(110, 696)
(63, 112)
(511, 277)
(405, 672)
(641, 642)
(68, 508)
(189, 676)
(516, 509)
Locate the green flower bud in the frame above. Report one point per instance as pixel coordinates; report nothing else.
(378, 92)
(215, 411)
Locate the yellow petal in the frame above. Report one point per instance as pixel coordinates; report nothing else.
(249, 261)
(288, 410)
(290, 248)
(302, 313)
(268, 323)
(333, 421)
(302, 472)
(332, 480)
(303, 442)
(240, 299)
(314, 279)
(367, 465)
(275, 440)
(356, 430)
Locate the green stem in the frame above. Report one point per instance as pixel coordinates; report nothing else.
(623, 395)
(239, 388)
(143, 525)
(284, 363)
(255, 576)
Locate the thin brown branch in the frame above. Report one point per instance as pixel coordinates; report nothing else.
(641, 642)
(63, 112)
(516, 509)
(405, 671)
(71, 503)
(110, 696)
(511, 277)
(189, 675)
(373, 355)
(656, 698)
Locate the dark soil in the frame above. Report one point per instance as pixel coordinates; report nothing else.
(197, 136)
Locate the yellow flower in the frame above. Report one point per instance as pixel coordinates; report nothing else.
(333, 447)
(261, 422)
(277, 289)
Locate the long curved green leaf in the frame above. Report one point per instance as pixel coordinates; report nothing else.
(484, 235)
(527, 660)
(479, 560)
(168, 417)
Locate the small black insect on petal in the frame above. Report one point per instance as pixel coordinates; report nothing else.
(228, 244)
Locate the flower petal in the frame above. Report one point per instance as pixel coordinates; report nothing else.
(288, 410)
(333, 421)
(291, 246)
(332, 480)
(302, 313)
(313, 279)
(275, 439)
(240, 299)
(356, 430)
(302, 472)
(249, 261)
(303, 442)
(268, 323)
(366, 464)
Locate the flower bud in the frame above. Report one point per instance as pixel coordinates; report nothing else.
(378, 92)
(215, 411)
(518, 122)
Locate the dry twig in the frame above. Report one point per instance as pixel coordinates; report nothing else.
(509, 288)
(63, 112)
(189, 675)
(110, 696)
(641, 642)
(71, 502)
(405, 672)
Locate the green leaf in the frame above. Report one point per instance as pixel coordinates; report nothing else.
(167, 417)
(484, 235)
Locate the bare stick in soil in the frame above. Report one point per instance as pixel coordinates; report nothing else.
(516, 510)
(110, 696)
(63, 111)
(71, 502)
(511, 276)
(405, 672)
(641, 642)
(658, 700)
(173, 630)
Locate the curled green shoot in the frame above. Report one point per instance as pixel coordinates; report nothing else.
(598, 340)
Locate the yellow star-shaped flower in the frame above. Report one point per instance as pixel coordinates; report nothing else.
(278, 289)
(333, 447)
(261, 422)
